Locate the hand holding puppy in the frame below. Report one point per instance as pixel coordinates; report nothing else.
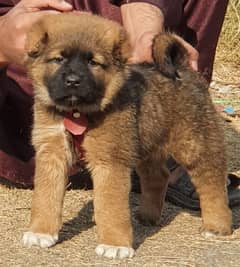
(17, 22)
(143, 22)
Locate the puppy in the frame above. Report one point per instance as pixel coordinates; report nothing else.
(136, 116)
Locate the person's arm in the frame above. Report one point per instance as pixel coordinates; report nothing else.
(15, 24)
(3, 64)
(145, 19)
(142, 21)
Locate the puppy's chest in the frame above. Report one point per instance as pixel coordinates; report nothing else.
(104, 137)
(84, 135)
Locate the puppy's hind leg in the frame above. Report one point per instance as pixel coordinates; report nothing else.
(154, 178)
(210, 184)
(206, 164)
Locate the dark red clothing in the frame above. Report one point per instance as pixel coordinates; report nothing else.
(199, 22)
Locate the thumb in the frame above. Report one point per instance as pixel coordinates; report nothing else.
(60, 5)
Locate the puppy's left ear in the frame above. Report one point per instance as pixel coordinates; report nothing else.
(122, 47)
(36, 41)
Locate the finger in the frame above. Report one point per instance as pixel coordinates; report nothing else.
(55, 4)
(139, 58)
(79, 12)
(33, 17)
(192, 52)
(194, 65)
(141, 54)
(132, 60)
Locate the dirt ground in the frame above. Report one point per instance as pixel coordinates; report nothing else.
(176, 243)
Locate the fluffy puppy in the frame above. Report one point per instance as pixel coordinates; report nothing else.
(136, 115)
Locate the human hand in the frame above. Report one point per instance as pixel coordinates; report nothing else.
(17, 22)
(192, 53)
(143, 22)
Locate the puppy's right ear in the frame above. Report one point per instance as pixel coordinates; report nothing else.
(36, 41)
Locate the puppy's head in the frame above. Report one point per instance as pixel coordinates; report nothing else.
(76, 62)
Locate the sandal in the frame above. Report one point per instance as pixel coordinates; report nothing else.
(182, 192)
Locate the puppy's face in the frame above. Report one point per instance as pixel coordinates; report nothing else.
(76, 62)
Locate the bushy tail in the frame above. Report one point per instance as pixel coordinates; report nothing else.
(169, 54)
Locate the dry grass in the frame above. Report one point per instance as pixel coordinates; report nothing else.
(225, 90)
(227, 62)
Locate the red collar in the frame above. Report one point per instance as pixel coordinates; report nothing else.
(76, 124)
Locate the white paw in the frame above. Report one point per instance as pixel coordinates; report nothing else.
(207, 234)
(114, 251)
(42, 240)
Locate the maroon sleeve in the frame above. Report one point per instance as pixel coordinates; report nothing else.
(158, 3)
(172, 10)
(5, 6)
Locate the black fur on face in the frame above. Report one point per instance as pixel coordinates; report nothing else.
(74, 85)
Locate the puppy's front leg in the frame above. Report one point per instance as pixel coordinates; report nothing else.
(52, 160)
(111, 209)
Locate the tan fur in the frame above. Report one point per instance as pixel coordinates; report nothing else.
(171, 116)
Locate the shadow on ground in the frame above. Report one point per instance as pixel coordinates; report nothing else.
(85, 220)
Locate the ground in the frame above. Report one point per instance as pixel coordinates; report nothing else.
(176, 243)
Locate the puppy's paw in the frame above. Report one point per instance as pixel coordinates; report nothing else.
(208, 232)
(211, 233)
(36, 239)
(114, 251)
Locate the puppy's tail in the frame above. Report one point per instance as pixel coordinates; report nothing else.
(170, 54)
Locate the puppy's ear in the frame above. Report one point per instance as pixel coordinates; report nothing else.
(169, 54)
(36, 41)
(122, 47)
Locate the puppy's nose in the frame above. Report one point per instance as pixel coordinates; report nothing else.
(72, 80)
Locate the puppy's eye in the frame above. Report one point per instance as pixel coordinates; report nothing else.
(93, 63)
(57, 60)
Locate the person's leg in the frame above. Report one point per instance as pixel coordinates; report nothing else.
(16, 153)
(201, 25)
